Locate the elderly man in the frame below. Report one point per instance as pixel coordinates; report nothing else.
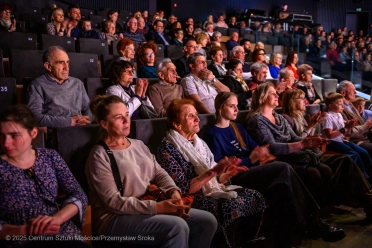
(217, 36)
(233, 42)
(209, 28)
(158, 35)
(56, 99)
(239, 53)
(132, 33)
(201, 85)
(73, 28)
(358, 133)
(259, 72)
(161, 94)
(183, 68)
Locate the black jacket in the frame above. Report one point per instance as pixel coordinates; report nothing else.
(182, 67)
(236, 87)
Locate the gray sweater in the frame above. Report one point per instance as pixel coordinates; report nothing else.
(53, 104)
(278, 135)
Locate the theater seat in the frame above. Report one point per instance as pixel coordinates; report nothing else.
(312, 109)
(68, 43)
(329, 85)
(7, 92)
(17, 40)
(175, 52)
(2, 74)
(26, 63)
(95, 46)
(96, 86)
(83, 65)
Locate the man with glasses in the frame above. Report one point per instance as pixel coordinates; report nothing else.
(55, 98)
(183, 68)
(6, 22)
(132, 33)
(158, 35)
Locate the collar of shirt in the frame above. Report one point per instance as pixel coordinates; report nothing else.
(164, 83)
(198, 79)
(50, 78)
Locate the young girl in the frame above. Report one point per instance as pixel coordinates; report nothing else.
(335, 128)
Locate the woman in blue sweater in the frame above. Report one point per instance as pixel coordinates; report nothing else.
(290, 202)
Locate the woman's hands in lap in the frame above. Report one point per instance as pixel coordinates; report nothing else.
(44, 224)
(173, 207)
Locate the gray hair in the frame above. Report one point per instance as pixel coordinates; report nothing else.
(192, 57)
(160, 66)
(208, 24)
(236, 48)
(49, 51)
(342, 86)
(256, 67)
(215, 33)
(196, 31)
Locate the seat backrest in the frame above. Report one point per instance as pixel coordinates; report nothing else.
(68, 43)
(231, 30)
(329, 85)
(26, 63)
(242, 117)
(268, 49)
(97, 46)
(325, 69)
(106, 63)
(74, 145)
(271, 40)
(250, 37)
(83, 65)
(97, 20)
(223, 31)
(318, 86)
(96, 86)
(284, 41)
(161, 51)
(7, 92)
(175, 52)
(263, 38)
(312, 109)
(85, 13)
(35, 17)
(39, 141)
(152, 81)
(2, 74)
(17, 40)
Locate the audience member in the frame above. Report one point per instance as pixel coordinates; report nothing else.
(235, 82)
(145, 15)
(221, 21)
(209, 29)
(209, 20)
(259, 72)
(183, 68)
(32, 179)
(56, 27)
(112, 15)
(7, 23)
(267, 28)
(216, 66)
(121, 212)
(217, 36)
(305, 73)
(171, 19)
(233, 23)
(141, 26)
(359, 103)
(110, 34)
(332, 57)
(285, 76)
(238, 53)
(174, 26)
(125, 48)
(72, 26)
(198, 174)
(275, 64)
(233, 41)
(190, 21)
(132, 33)
(177, 37)
(157, 35)
(161, 94)
(55, 98)
(134, 96)
(201, 85)
(189, 30)
(291, 63)
(146, 54)
(246, 44)
(88, 32)
(202, 40)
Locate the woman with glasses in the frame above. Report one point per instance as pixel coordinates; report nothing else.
(305, 73)
(146, 54)
(32, 182)
(134, 95)
(6, 22)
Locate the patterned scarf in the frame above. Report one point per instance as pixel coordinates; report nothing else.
(239, 79)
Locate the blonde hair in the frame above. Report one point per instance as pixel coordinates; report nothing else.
(289, 101)
(332, 97)
(200, 36)
(273, 57)
(358, 100)
(259, 97)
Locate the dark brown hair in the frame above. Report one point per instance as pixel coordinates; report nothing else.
(21, 115)
(117, 68)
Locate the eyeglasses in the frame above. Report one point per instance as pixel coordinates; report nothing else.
(274, 94)
(195, 47)
(150, 54)
(160, 26)
(301, 98)
(7, 12)
(130, 72)
(191, 116)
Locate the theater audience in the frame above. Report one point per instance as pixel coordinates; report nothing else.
(235, 82)
(173, 27)
(305, 72)
(88, 32)
(189, 30)
(134, 95)
(125, 48)
(239, 213)
(132, 33)
(238, 53)
(233, 41)
(112, 15)
(32, 180)
(228, 138)
(233, 23)
(56, 27)
(209, 29)
(201, 85)
(146, 54)
(55, 98)
(110, 32)
(216, 66)
(291, 63)
(285, 76)
(161, 94)
(275, 64)
(183, 68)
(217, 36)
(122, 212)
(73, 28)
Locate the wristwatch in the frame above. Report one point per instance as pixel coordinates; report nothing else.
(213, 80)
(342, 130)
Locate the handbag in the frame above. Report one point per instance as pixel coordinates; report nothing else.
(153, 192)
(147, 112)
(304, 157)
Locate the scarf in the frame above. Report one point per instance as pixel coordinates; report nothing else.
(240, 80)
(5, 23)
(199, 155)
(310, 89)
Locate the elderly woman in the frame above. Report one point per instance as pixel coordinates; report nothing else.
(112, 15)
(146, 54)
(32, 179)
(305, 72)
(227, 138)
(236, 84)
(275, 64)
(133, 95)
(191, 164)
(161, 94)
(56, 26)
(216, 66)
(291, 63)
(202, 39)
(6, 23)
(141, 26)
(286, 76)
(117, 208)
(348, 184)
(267, 127)
(125, 48)
(110, 32)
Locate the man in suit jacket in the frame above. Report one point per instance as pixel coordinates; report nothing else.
(158, 35)
(181, 64)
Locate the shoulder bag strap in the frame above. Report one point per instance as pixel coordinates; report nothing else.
(114, 167)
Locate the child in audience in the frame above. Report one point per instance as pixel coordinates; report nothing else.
(359, 104)
(88, 32)
(335, 128)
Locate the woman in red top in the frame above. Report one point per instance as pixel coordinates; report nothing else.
(291, 63)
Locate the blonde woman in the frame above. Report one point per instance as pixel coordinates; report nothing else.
(202, 40)
(275, 64)
(56, 26)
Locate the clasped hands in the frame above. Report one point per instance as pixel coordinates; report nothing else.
(43, 225)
